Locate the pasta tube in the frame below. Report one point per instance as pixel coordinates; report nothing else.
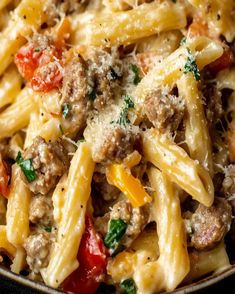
(17, 217)
(129, 26)
(58, 198)
(226, 79)
(196, 133)
(19, 262)
(63, 256)
(16, 116)
(173, 264)
(5, 244)
(205, 262)
(179, 167)
(10, 86)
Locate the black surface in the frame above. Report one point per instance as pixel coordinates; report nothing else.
(225, 287)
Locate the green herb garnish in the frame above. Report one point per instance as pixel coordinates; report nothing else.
(183, 41)
(128, 286)
(191, 66)
(135, 71)
(114, 75)
(117, 229)
(81, 140)
(48, 229)
(123, 118)
(36, 50)
(61, 129)
(26, 167)
(92, 94)
(65, 110)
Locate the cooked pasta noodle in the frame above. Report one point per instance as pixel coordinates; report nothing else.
(117, 131)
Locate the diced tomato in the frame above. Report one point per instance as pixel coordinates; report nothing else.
(92, 257)
(27, 60)
(225, 61)
(47, 77)
(4, 178)
(41, 67)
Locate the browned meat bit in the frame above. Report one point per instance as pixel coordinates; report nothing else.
(107, 191)
(40, 211)
(104, 72)
(74, 95)
(229, 180)
(115, 145)
(42, 42)
(209, 225)
(214, 108)
(164, 111)
(135, 218)
(37, 247)
(50, 161)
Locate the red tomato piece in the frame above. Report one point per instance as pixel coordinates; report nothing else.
(40, 66)
(223, 62)
(92, 257)
(4, 178)
(27, 60)
(47, 77)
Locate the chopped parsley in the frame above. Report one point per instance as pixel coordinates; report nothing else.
(92, 94)
(128, 102)
(114, 75)
(81, 140)
(135, 71)
(116, 230)
(26, 167)
(123, 118)
(36, 50)
(61, 129)
(65, 110)
(128, 286)
(191, 66)
(48, 229)
(183, 41)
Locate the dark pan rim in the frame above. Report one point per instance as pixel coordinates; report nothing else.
(204, 283)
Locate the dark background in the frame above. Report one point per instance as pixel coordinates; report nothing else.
(226, 286)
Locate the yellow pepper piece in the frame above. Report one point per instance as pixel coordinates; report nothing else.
(122, 178)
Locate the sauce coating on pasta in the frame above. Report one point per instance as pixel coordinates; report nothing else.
(117, 154)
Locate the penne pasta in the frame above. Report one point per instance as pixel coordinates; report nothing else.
(5, 245)
(129, 26)
(17, 217)
(173, 264)
(179, 167)
(19, 261)
(117, 127)
(17, 115)
(206, 262)
(63, 256)
(10, 86)
(196, 133)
